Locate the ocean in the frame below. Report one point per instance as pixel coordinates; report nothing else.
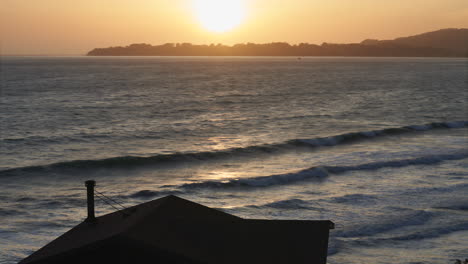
(376, 145)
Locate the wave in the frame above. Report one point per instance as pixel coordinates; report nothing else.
(325, 141)
(460, 187)
(411, 218)
(433, 232)
(422, 233)
(9, 212)
(355, 136)
(263, 181)
(38, 140)
(144, 194)
(458, 206)
(355, 199)
(129, 162)
(321, 172)
(287, 204)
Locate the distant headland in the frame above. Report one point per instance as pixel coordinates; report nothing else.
(442, 43)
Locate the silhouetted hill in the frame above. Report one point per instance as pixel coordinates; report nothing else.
(442, 43)
(452, 39)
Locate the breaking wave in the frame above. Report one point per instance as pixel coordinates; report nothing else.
(129, 162)
(318, 173)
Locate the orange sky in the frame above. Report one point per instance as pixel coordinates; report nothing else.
(71, 27)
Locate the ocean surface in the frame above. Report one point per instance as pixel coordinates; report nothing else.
(377, 145)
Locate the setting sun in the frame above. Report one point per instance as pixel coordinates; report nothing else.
(219, 15)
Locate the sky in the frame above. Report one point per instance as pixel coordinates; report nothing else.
(71, 27)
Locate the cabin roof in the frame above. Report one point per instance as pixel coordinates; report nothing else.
(184, 228)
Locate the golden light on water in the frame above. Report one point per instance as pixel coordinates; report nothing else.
(219, 15)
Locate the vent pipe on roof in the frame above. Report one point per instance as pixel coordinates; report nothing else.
(90, 198)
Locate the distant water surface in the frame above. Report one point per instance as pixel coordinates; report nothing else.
(377, 145)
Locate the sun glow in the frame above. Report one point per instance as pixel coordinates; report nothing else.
(219, 15)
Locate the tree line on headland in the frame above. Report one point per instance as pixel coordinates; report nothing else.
(442, 43)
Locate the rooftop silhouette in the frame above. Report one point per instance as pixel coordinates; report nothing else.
(175, 230)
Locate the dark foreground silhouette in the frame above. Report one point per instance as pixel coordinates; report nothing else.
(442, 43)
(174, 230)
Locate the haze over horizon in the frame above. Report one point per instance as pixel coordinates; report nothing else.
(53, 27)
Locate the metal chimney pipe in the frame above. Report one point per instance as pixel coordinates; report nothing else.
(90, 198)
